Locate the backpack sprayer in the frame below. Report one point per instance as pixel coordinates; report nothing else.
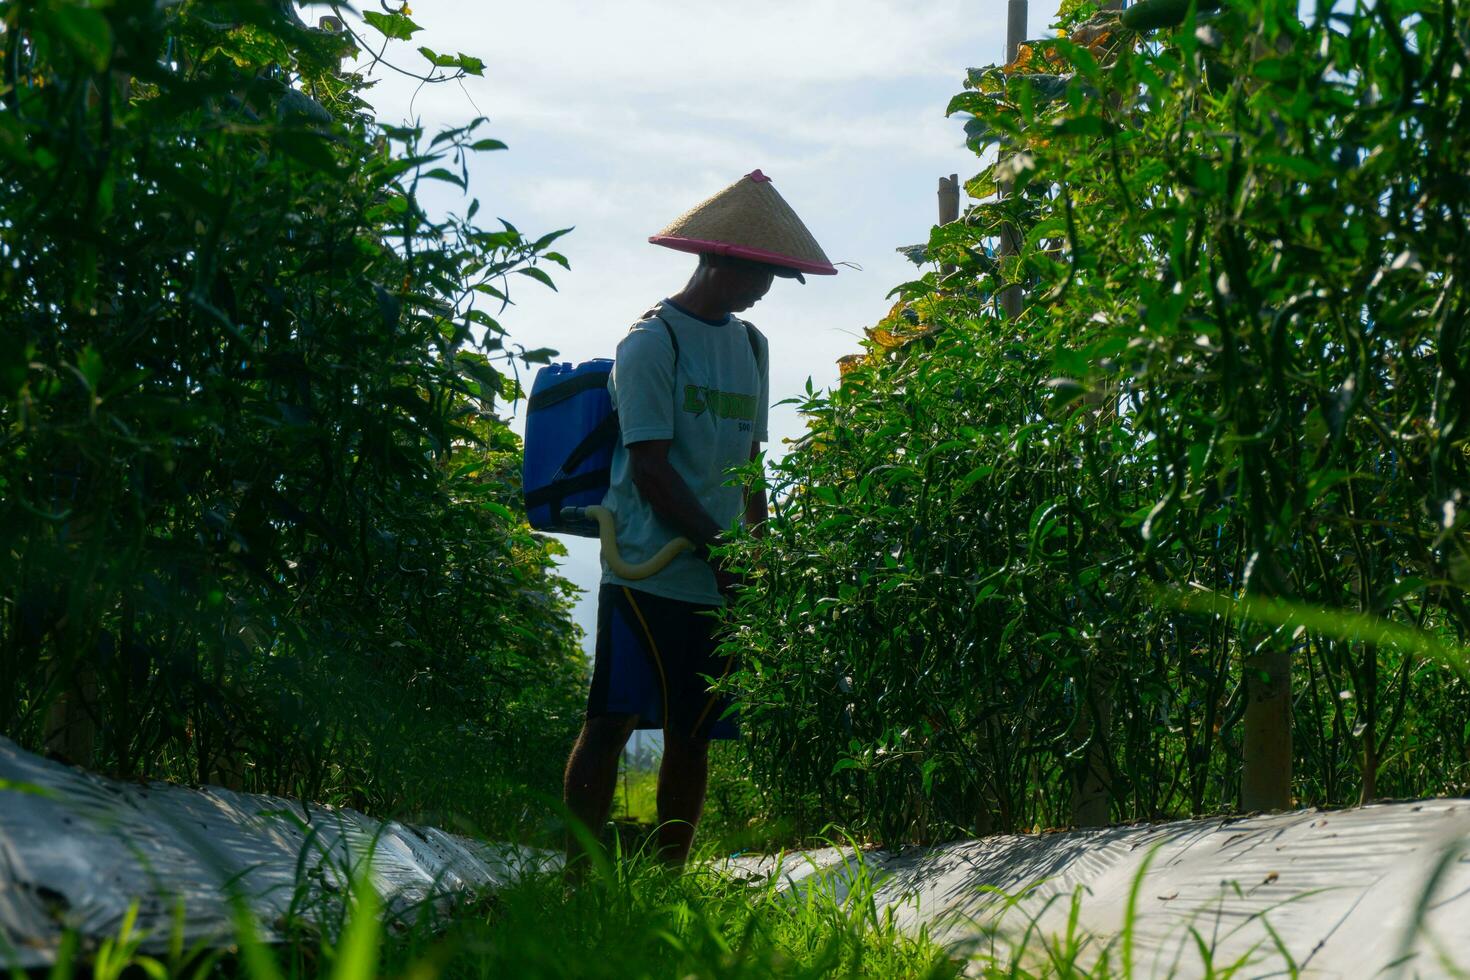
(571, 431)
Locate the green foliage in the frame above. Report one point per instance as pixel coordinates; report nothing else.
(259, 521)
(636, 796)
(1242, 368)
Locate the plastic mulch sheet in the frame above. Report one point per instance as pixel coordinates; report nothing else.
(1377, 890)
(1380, 890)
(76, 850)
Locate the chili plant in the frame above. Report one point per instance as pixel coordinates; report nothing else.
(259, 510)
(1241, 370)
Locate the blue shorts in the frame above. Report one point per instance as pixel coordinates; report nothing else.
(654, 658)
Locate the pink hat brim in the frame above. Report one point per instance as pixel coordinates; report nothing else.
(702, 247)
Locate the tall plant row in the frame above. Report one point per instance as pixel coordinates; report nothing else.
(1189, 534)
(258, 510)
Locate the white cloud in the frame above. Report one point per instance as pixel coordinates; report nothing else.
(758, 46)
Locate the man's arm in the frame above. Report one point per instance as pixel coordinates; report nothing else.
(668, 494)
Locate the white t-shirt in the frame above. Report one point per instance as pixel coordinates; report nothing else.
(713, 411)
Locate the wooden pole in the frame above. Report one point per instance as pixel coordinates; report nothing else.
(949, 199)
(1015, 27)
(1010, 297)
(1266, 745)
(949, 208)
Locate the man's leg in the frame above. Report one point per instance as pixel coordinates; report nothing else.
(682, 778)
(592, 774)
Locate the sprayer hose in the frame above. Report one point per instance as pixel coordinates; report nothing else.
(607, 534)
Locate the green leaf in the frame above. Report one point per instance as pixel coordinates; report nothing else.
(306, 147)
(1295, 165)
(983, 184)
(1046, 88)
(1064, 390)
(917, 254)
(538, 274)
(1151, 15)
(85, 31)
(250, 46)
(484, 319)
(548, 238)
(260, 962)
(439, 60)
(185, 189)
(13, 139)
(357, 953)
(979, 130)
(972, 102)
(471, 65)
(975, 476)
(1323, 481)
(389, 307)
(15, 359)
(396, 26)
(1080, 126)
(475, 366)
(439, 173)
(89, 363)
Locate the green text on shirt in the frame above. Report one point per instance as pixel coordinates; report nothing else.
(720, 404)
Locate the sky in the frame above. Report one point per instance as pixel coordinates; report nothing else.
(621, 116)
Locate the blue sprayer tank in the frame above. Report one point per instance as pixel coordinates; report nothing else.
(571, 430)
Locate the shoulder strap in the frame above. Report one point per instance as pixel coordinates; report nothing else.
(755, 350)
(672, 338)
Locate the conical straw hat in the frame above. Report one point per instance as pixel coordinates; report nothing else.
(748, 220)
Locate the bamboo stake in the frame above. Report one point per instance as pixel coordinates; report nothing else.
(949, 208)
(1016, 12)
(1010, 297)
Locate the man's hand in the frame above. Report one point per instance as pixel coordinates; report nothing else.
(728, 582)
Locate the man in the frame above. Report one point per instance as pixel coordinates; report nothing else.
(690, 385)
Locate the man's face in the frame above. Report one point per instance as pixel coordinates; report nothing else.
(753, 287)
(744, 283)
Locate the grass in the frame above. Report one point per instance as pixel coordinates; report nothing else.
(633, 918)
(636, 796)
